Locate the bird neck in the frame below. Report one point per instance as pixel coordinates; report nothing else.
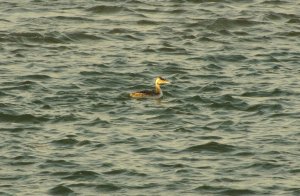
(158, 90)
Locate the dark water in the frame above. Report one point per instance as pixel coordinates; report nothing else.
(228, 124)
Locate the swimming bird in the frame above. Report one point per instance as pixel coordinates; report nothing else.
(151, 94)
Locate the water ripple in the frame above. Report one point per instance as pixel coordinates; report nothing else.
(211, 146)
(227, 125)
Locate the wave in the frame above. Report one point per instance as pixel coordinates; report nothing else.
(73, 18)
(108, 187)
(13, 130)
(67, 118)
(207, 189)
(36, 77)
(51, 37)
(29, 37)
(262, 106)
(90, 73)
(104, 9)
(212, 147)
(227, 24)
(212, 67)
(59, 164)
(229, 102)
(147, 22)
(60, 190)
(273, 93)
(238, 192)
(96, 122)
(173, 50)
(66, 142)
(119, 31)
(264, 166)
(22, 118)
(81, 36)
(82, 176)
(146, 150)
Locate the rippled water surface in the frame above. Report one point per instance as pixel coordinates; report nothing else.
(227, 125)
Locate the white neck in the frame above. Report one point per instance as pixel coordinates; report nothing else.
(158, 90)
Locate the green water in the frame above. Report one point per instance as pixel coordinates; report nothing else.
(227, 125)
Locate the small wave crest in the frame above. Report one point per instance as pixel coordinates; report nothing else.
(104, 9)
(212, 147)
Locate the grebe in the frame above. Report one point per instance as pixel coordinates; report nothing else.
(151, 94)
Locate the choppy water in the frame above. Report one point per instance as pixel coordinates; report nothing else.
(228, 124)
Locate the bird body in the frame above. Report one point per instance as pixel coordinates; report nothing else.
(152, 94)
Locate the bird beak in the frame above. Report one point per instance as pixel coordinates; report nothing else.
(167, 82)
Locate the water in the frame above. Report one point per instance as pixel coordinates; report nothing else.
(228, 124)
